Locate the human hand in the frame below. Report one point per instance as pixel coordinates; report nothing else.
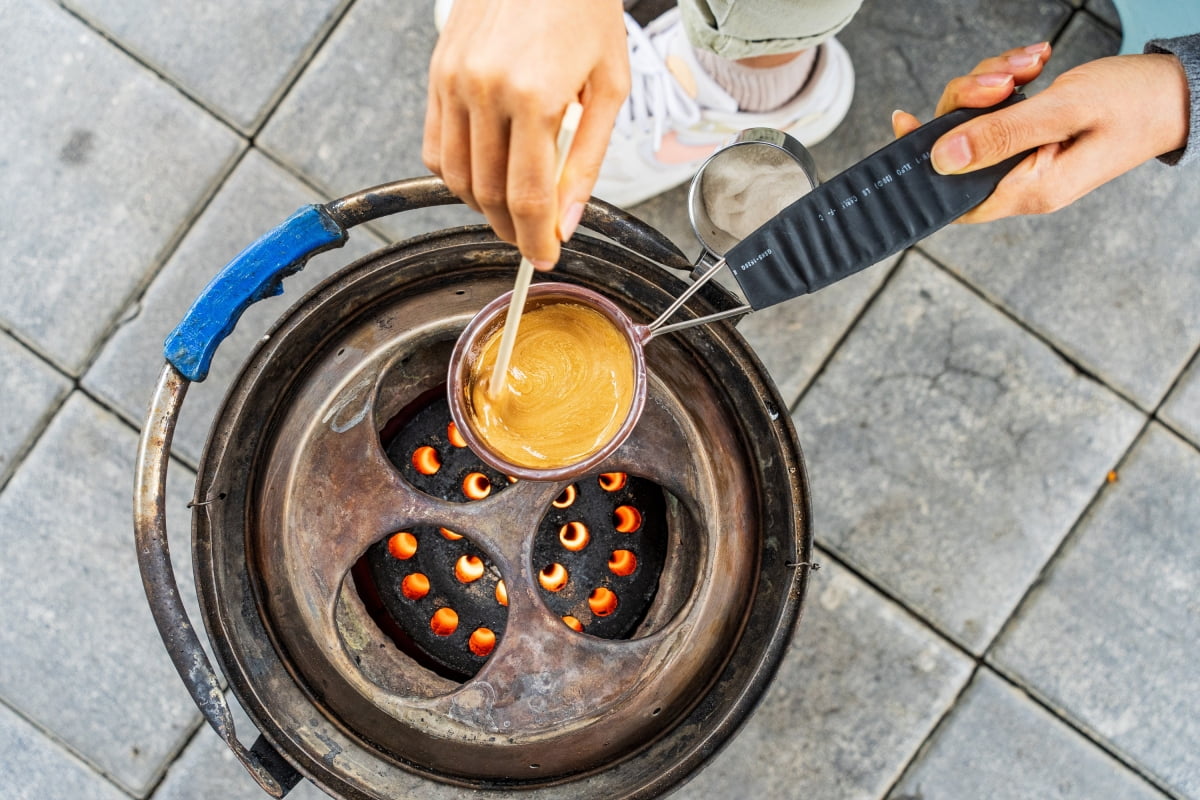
(502, 75)
(1090, 125)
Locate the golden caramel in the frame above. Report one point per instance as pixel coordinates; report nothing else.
(570, 388)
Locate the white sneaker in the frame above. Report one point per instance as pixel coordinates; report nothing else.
(676, 116)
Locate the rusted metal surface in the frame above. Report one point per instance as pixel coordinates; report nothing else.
(273, 774)
(297, 487)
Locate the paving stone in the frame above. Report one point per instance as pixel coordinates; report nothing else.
(1110, 279)
(1106, 11)
(258, 196)
(1182, 407)
(905, 52)
(35, 768)
(859, 690)
(352, 122)
(207, 768)
(30, 388)
(103, 164)
(82, 656)
(999, 744)
(794, 338)
(239, 55)
(1111, 636)
(950, 451)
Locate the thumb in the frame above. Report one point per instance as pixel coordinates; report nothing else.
(994, 137)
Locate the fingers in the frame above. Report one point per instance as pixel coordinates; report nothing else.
(994, 79)
(992, 138)
(904, 123)
(489, 141)
(601, 103)
(532, 196)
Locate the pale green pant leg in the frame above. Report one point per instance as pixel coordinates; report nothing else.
(744, 28)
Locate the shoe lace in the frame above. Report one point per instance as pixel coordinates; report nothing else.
(656, 99)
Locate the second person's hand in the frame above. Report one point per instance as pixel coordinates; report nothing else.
(1090, 125)
(502, 74)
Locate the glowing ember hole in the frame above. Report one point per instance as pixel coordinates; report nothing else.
(415, 586)
(622, 562)
(626, 519)
(468, 568)
(566, 498)
(574, 536)
(573, 623)
(553, 578)
(511, 479)
(613, 481)
(476, 486)
(444, 621)
(454, 436)
(425, 460)
(481, 642)
(449, 534)
(602, 602)
(402, 545)
(501, 593)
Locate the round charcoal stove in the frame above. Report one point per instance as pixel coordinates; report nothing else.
(399, 620)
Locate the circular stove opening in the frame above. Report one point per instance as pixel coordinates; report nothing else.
(599, 552)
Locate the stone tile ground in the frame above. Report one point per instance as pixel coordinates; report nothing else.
(997, 615)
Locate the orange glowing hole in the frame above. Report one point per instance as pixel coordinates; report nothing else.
(454, 436)
(574, 536)
(476, 486)
(602, 602)
(444, 621)
(501, 593)
(468, 568)
(626, 519)
(415, 586)
(481, 642)
(402, 545)
(425, 460)
(449, 534)
(613, 481)
(553, 578)
(566, 498)
(622, 562)
(573, 623)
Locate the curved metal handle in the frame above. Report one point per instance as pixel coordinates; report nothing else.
(258, 271)
(272, 773)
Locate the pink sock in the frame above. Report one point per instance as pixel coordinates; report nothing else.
(759, 88)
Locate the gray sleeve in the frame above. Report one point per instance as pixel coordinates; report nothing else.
(1187, 50)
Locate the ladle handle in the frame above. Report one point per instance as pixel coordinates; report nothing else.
(879, 206)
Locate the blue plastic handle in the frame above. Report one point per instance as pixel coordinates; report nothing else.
(257, 273)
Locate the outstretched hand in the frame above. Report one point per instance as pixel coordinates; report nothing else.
(1090, 125)
(502, 74)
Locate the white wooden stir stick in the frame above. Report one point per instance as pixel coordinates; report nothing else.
(562, 146)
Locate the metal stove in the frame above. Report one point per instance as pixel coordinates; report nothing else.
(399, 620)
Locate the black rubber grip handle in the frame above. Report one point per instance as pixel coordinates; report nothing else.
(877, 207)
